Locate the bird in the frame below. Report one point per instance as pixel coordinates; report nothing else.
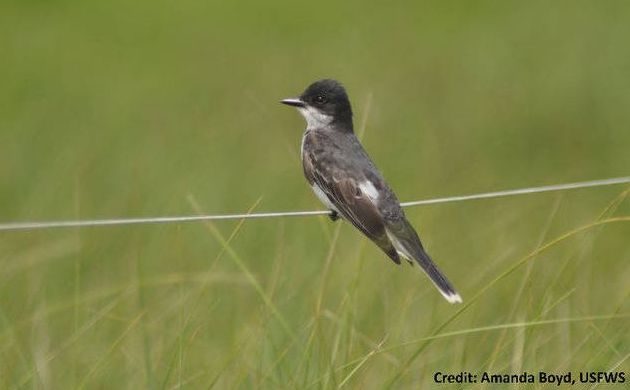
(347, 182)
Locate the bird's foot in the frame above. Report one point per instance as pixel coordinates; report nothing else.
(333, 215)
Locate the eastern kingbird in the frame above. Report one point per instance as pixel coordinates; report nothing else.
(345, 179)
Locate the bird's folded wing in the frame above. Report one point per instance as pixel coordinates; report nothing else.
(354, 205)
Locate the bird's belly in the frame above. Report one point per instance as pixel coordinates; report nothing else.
(323, 198)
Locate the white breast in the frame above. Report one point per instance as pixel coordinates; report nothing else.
(323, 198)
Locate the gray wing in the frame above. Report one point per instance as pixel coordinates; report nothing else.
(345, 194)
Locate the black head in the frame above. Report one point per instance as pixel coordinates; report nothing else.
(326, 98)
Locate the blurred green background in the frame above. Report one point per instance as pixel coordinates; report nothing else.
(154, 108)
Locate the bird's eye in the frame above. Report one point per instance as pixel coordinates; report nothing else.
(321, 99)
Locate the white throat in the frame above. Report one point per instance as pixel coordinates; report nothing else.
(314, 118)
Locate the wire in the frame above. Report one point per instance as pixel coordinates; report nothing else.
(12, 226)
(522, 191)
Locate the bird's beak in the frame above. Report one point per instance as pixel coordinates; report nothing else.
(293, 102)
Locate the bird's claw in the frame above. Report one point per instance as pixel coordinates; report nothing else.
(333, 215)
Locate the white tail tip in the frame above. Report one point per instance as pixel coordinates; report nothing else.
(452, 297)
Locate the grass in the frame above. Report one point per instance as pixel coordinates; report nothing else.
(128, 110)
